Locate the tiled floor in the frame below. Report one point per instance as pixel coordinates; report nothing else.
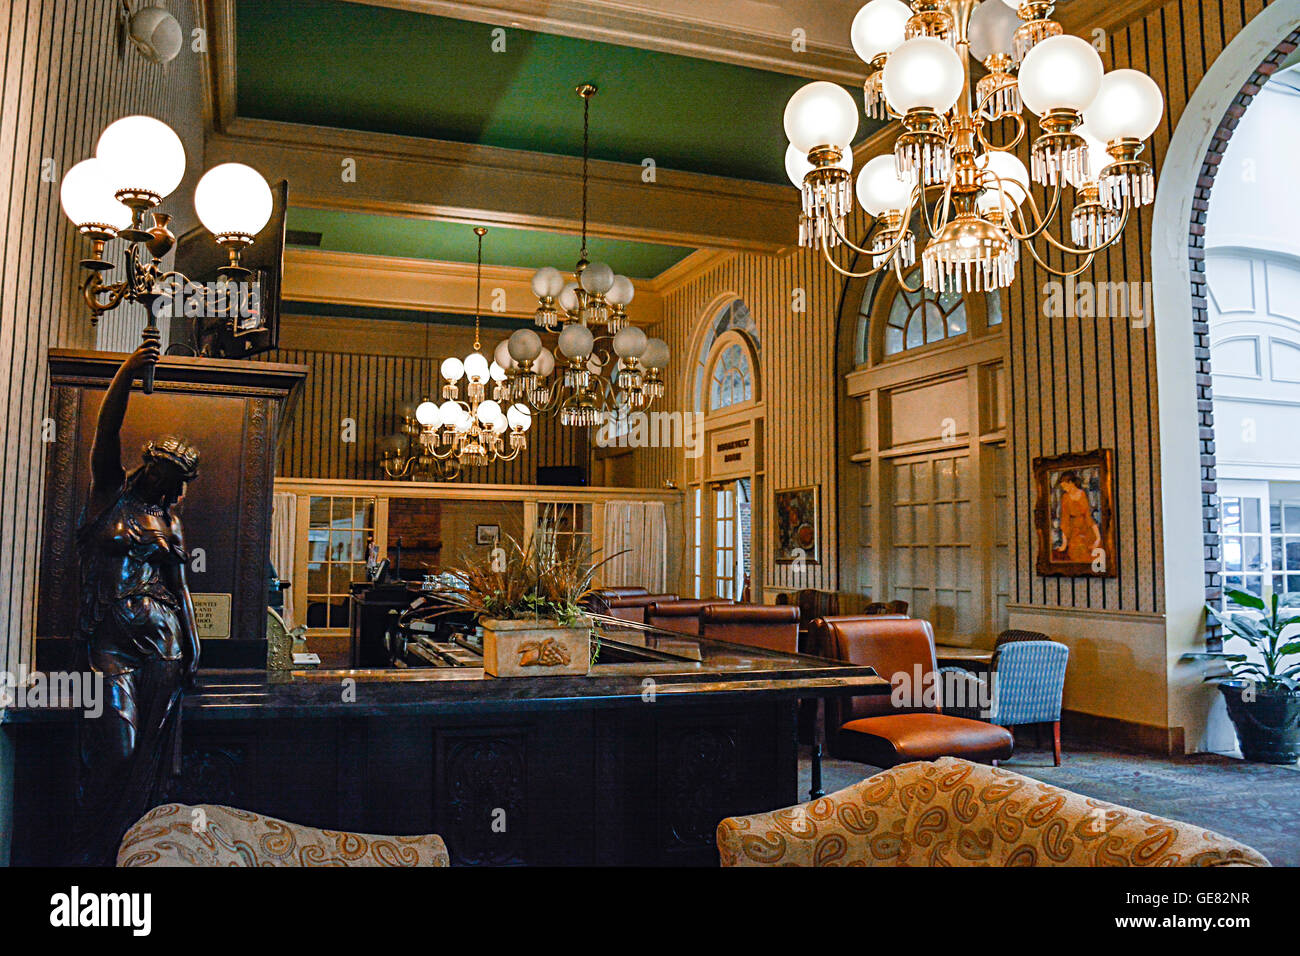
(1254, 803)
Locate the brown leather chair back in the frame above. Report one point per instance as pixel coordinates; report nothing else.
(680, 616)
(619, 592)
(632, 607)
(889, 644)
(771, 627)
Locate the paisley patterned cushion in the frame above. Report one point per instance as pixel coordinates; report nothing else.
(952, 812)
(208, 835)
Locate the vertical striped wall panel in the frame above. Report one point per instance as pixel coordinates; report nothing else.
(65, 73)
(368, 389)
(1076, 383)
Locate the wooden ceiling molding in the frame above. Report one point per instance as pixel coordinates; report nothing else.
(742, 32)
(390, 282)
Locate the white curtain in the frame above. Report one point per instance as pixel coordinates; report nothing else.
(284, 518)
(640, 530)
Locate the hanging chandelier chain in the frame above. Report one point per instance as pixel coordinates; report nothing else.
(478, 285)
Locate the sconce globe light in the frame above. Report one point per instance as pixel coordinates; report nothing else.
(879, 28)
(86, 195)
(233, 200)
(1128, 105)
(142, 155)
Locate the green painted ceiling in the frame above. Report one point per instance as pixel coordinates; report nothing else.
(370, 234)
(355, 66)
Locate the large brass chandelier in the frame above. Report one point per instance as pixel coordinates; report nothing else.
(971, 196)
(436, 441)
(609, 366)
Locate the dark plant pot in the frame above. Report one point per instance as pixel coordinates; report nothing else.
(1268, 727)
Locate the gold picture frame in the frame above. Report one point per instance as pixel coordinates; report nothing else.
(1074, 515)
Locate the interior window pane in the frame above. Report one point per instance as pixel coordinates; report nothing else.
(341, 513)
(1292, 513)
(893, 341)
(319, 513)
(1250, 515)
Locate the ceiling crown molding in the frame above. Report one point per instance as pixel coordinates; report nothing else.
(747, 33)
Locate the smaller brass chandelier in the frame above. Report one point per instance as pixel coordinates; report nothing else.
(436, 441)
(609, 366)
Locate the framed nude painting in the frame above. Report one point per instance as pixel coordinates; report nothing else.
(1074, 515)
(798, 517)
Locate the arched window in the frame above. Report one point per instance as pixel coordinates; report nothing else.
(734, 316)
(920, 318)
(732, 379)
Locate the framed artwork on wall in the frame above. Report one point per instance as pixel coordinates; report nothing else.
(1074, 515)
(797, 522)
(487, 534)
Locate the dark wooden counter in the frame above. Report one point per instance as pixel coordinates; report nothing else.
(633, 764)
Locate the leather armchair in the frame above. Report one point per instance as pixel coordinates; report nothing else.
(876, 730)
(680, 616)
(766, 626)
(955, 813)
(209, 835)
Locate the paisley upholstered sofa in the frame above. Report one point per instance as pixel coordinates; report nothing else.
(955, 813)
(208, 835)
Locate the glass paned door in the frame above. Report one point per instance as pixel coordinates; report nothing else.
(338, 530)
(930, 548)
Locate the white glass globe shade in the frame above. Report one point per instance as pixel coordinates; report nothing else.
(1097, 158)
(629, 342)
(568, 297)
(797, 165)
(140, 152)
(501, 355)
(1009, 169)
(923, 73)
(87, 197)
(449, 412)
(426, 413)
(489, 411)
(544, 365)
(462, 421)
(547, 281)
(496, 372)
(597, 278)
(156, 34)
(233, 198)
(821, 114)
(1060, 73)
(1013, 4)
(499, 425)
(620, 292)
(879, 188)
(524, 345)
(476, 367)
(576, 340)
(1129, 105)
(992, 29)
(878, 28)
(518, 416)
(453, 369)
(656, 354)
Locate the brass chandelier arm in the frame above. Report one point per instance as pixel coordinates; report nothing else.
(847, 273)
(1084, 266)
(902, 279)
(1041, 221)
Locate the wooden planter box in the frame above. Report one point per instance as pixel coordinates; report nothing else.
(534, 649)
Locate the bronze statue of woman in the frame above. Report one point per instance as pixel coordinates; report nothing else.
(136, 620)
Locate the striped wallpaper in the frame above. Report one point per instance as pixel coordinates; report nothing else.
(65, 73)
(1076, 384)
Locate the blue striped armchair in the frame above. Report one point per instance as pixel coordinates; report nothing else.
(1029, 681)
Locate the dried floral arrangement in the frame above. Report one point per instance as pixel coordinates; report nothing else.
(533, 580)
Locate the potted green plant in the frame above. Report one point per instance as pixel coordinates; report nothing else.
(1262, 695)
(528, 598)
